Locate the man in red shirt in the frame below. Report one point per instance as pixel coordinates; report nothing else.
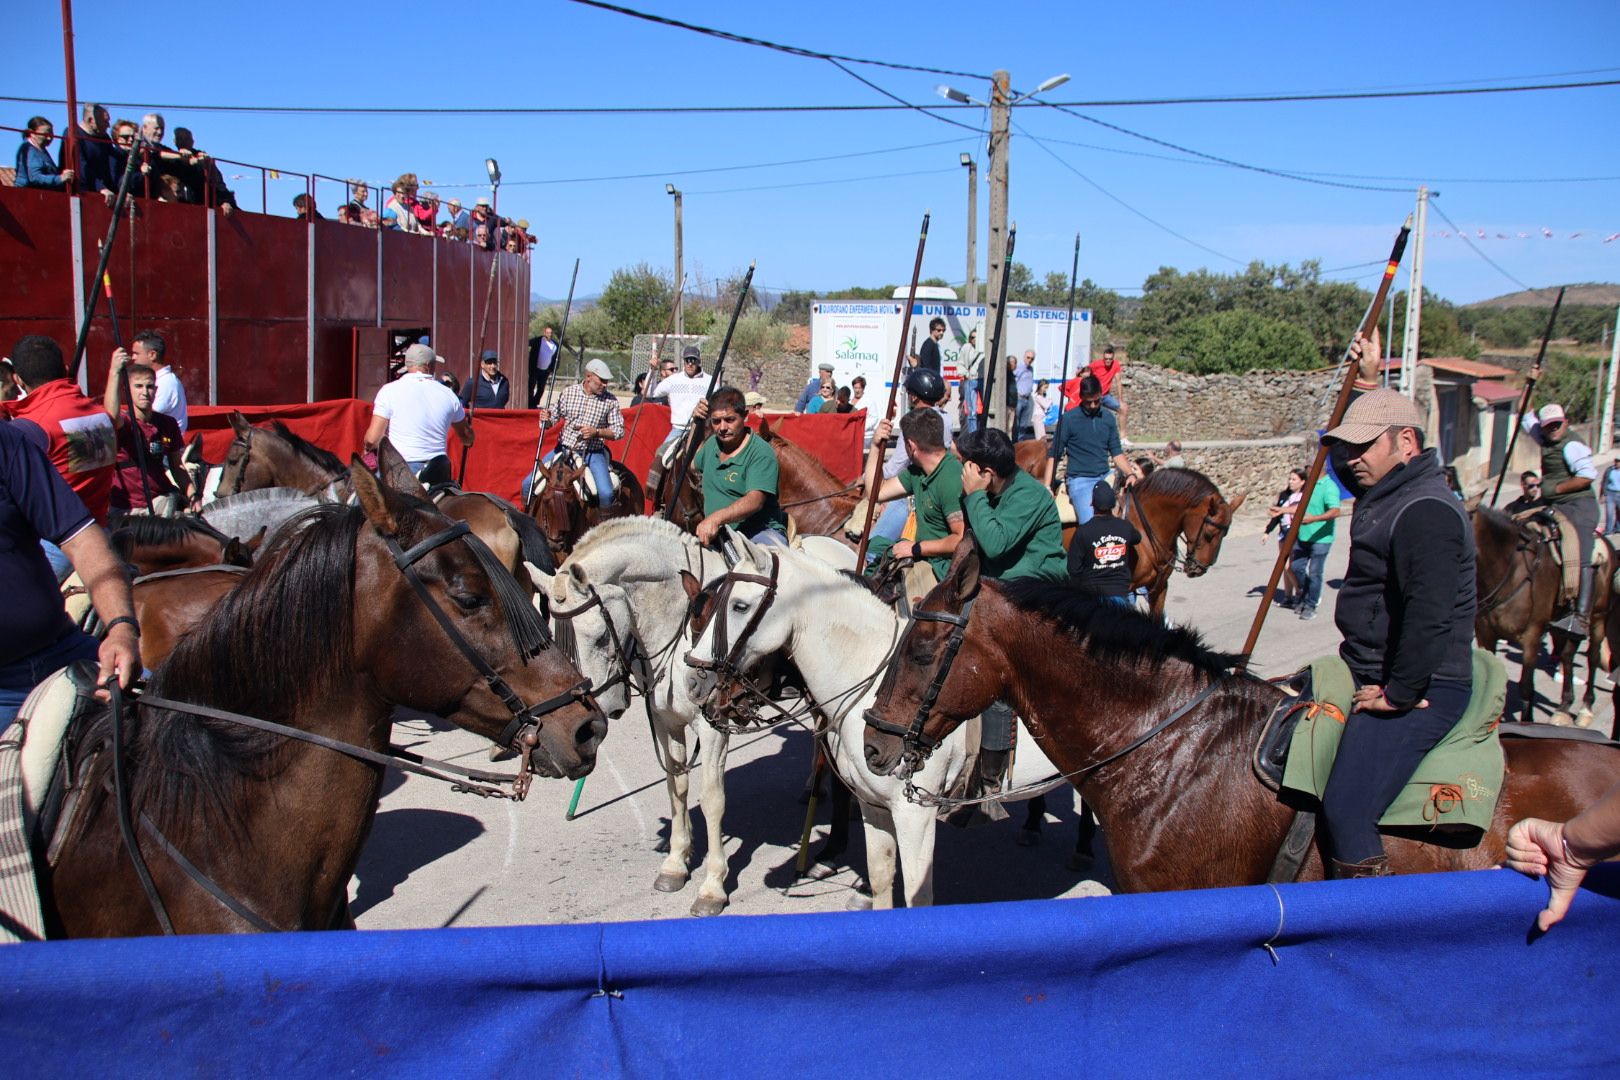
(1107, 371)
(160, 438)
(79, 437)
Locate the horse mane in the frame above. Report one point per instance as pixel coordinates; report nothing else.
(307, 450)
(646, 530)
(146, 530)
(1189, 484)
(1111, 632)
(1499, 523)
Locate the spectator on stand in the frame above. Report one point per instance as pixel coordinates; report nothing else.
(189, 168)
(481, 223)
(1107, 371)
(124, 134)
(94, 160)
(844, 404)
(427, 213)
(399, 212)
(348, 214)
(35, 166)
(359, 192)
(304, 207)
(927, 354)
(812, 389)
(160, 438)
(513, 243)
(1024, 380)
(492, 389)
(456, 225)
(970, 366)
(170, 399)
(164, 180)
(212, 190)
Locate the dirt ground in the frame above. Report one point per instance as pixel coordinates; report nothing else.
(440, 859)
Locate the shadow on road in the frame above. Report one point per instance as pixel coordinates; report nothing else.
(403, 840)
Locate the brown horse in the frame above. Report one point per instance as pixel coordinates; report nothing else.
(1520, 585)
(153, 544)
(168, 604)
(564, 514)
(1171, 508)
(1180, 806)
(273, 456)
(326, 634)
(816, 500)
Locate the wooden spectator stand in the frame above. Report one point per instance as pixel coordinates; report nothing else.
(257, 309)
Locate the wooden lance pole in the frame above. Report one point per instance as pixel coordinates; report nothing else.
(1068, 328)
(894, 393)
(129, 399)
(1524, 402)
(994, 365)
(1369, 323)
(551, 398)
(694, 433)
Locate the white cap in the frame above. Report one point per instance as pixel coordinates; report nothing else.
(1551, 414)
(600, 370)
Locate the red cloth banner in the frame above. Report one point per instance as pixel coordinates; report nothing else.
(503, 451)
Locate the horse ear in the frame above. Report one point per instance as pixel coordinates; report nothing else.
(691, 584)
(765, 431)
(965, 564)
(1237, 502)
(193, 455)
(540, 579)
(239, 423)
(577, 573)
(373, 497)
(257, 539)
(235, 553)
(395, 473)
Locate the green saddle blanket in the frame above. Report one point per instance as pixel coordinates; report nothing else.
(1456, 784)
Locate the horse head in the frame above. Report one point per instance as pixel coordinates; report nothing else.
(594, 625)
(1204, 527)
(557, 509)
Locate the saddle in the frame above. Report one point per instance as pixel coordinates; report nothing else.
(1454, 788)
(585, 486)
(436, 472)
(76, 599)
(1556, 531)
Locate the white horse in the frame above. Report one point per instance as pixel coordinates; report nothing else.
(840, 637)
(620, 599)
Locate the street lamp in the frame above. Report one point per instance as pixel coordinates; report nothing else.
(494, 171)
(680, 314)
(973, 228)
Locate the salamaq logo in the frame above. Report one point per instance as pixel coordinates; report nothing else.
(850, 349)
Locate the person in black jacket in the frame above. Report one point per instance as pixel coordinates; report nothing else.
(491, 387)
(1406, 611)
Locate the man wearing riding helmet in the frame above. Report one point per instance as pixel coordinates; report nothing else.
(923, 387)
(1567, 477)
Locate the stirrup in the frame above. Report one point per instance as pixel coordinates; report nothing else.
(1573, 624)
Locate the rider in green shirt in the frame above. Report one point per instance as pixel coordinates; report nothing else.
(934, 477)
(739, 474)
(1013, 516)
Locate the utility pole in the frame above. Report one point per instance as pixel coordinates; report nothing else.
(1606, 433)
(680, 314)
(70, 134)
(1000, 118)
(973, 228)
(1414, 295)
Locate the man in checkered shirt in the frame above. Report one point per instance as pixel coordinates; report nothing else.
(590, 414)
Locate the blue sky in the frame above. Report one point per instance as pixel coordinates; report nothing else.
(854, 220)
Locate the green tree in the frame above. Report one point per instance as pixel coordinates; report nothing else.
(637, 300)
(1568, 379)
(1440, 333)
(1234, 341)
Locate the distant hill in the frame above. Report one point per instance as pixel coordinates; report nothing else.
(1595, 294)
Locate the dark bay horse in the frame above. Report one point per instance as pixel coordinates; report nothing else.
(155, 544)
(1520, 585)
(1181, 809)
(273, 456)
(325, 634)
(813, 497)
(168, 604)
(564, 514)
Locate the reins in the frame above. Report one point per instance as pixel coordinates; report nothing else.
(1526, 543)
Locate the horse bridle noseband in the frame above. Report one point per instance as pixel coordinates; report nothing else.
(626, 655)
(1188, 561)
(724, 662)
(522, 732)
(914, 740)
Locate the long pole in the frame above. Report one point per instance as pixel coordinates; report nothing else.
(1369, 322)
(1524, 402)
(101, 263)
(70, 139)
(973, 233)
(551, 398)
(994, 363)
(1414, 298)
(694, 433)
(1068, 328)
(1000, 234)
(477, 361)
(1606, 435)
(879, 445)
(129, 399)
(680, 315)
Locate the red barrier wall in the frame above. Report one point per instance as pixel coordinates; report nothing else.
(503, 451)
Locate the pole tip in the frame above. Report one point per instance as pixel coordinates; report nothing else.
(1408, 224)
(750, 264)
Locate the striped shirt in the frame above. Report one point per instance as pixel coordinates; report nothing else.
(575, 407)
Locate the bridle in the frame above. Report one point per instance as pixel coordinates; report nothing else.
(1189, 562)
(628, 651)
(522, 732)
(915, 742)
(725, 659)
(1531, 548)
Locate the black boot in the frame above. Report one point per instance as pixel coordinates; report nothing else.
(1377, 866)
(987, 785)
(1574, 624)
(992, 763)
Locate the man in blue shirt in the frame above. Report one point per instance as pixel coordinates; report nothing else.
(35, 166)
(1024, 383)
(1089, 437)
(36, 637)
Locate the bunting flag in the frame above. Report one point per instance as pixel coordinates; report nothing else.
(275, 175)
(1546, 234)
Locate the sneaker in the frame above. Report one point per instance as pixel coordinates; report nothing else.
(1307, 613)
(1287, 602)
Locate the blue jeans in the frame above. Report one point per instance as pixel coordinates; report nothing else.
(1109, 401)
(1080, 494)
(1024, 420)
(601, 472)
(970, 404)
(1611, 512)
(18, 678)
(1307, 562)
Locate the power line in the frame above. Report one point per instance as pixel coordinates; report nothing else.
(791, 50)
(1151, 221)
(700, 110)
(1433, 205)
(895, 97)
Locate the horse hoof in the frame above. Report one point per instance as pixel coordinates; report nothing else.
(705, 906)
(670, 882)
(1583, 718)
(858, 901)
(1029, 838)
(1079, 863)
(1560, 719)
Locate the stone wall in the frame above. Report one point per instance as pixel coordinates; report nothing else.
(1166, 404)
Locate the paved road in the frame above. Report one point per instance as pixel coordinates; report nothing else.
(439, 859)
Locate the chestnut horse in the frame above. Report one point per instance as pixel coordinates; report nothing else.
(326, 634)
(564, 514)
(1520, 586)
(169, 603)
(1173, 508)
(153, 544)
(1180, 805)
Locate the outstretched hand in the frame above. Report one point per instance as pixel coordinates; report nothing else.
(1537, 848)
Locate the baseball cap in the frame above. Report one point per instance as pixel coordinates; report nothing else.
(421, 355)
(1375, 412)
(754, 397)
(600, 370)
(1102, 496)
(482, 201)
(691, 352)
(489, 354)
(1551, 414)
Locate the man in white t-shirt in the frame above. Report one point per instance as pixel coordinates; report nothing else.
(416, 413)
(170, 397)
(683, 391)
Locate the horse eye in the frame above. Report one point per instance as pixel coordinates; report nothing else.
(467, 602)
(739, 606)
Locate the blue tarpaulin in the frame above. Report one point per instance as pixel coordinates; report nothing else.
(1427, 976)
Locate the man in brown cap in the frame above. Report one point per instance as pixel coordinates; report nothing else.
(1567, 479)
(1407, 614)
